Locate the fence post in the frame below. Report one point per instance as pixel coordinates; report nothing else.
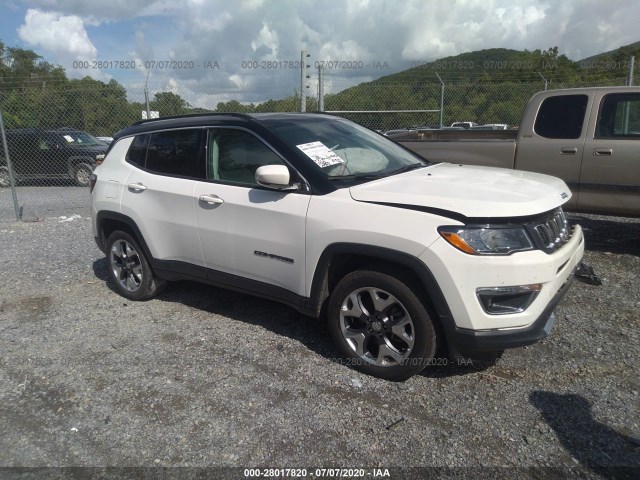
(441, 99)
(632, 63)
(320, 89)
(146, 95)
(303, 80)
(9, 168)
(546, 84)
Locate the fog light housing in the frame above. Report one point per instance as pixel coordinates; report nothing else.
(505, 300)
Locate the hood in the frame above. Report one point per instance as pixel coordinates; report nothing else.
(470, 191)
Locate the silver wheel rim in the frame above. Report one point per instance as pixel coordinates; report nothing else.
(82, 175)
(377, 327)
(126, 265)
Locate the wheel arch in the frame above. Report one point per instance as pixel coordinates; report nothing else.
(339, 259)
(108, 222)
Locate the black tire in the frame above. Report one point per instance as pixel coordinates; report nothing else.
(5, 180)
(82, 174)
(129, 269)
(391, 338)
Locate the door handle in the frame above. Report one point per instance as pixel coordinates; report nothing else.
(211, 199)
(568, 150)
(603, 152)
(137, 187)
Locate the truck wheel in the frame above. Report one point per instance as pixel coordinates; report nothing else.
(81, 174)
(5, 180)
(129, 269)
(380, 325)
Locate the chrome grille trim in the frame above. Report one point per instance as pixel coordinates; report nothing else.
(551, 232)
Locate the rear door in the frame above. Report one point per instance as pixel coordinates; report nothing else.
(610, 176)
(23, 147)
(158, 195)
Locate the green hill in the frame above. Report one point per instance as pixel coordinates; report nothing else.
(485, 86)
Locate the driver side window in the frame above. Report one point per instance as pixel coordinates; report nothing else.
(235, 155)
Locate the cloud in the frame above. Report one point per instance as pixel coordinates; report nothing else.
(237, 34)
(62, 35)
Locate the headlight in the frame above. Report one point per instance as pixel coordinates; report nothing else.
(487, 240)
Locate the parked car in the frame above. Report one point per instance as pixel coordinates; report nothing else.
(492, 126)
(464, 125)
(395, 131)
(63, 153)
(401, 255)
(106, 140)
(589, 137)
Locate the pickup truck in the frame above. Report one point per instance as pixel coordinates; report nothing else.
(588, 137)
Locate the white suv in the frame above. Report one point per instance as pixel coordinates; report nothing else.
(402, 256)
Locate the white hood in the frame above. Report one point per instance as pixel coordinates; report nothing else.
(469, 190)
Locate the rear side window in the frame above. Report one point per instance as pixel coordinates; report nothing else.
(619, 116)
(177, 152)
(561, 116)
(137, 153)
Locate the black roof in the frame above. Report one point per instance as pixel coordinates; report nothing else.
(206, 119)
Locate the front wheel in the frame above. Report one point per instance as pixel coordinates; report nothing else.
(129, 269)
(380, 325)
(82, 174)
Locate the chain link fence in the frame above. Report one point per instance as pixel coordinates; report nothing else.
(53, 133)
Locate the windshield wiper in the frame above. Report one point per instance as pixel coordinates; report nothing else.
(375, 176)
(358, 176)
(407, 168)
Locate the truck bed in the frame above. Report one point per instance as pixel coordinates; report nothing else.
(494, 148)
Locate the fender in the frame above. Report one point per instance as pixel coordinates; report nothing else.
(119, 217)
(319, 286)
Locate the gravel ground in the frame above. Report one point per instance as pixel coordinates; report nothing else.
(202, 377)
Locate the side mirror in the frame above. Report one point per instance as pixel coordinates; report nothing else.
(274, 176)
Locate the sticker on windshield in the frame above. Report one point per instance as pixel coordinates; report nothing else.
(68, 138)
(320, 154)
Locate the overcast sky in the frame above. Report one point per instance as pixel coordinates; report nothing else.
(372, 37)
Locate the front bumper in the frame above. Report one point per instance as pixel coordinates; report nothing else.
(466, 343)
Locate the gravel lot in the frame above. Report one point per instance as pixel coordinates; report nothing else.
(201, 377)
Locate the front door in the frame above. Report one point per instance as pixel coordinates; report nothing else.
(610, 177)
(248, 231)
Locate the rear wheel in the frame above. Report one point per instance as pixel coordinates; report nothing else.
(380, 325)
(129, 268)
(82, 174)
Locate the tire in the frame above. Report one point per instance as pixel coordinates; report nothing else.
(380, 326)
(129, 269)
(5, 180)
(81, 174)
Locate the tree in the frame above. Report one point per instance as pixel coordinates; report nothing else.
(169, 104)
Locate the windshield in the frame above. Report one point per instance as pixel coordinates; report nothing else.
(343, 149)
(80, 139)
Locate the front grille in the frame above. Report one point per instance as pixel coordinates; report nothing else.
(550, 232)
